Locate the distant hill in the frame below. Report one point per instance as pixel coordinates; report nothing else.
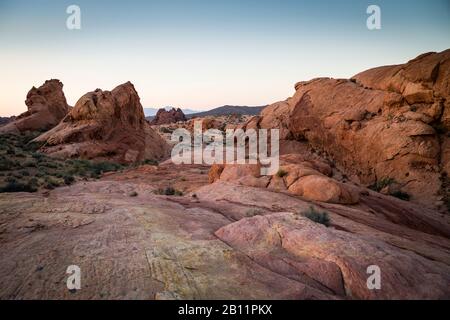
(5, 120)
(226, 110)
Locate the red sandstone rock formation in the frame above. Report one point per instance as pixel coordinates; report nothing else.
(386, 123)
(47, 105)
(166, 117)
(108, 125)
(298, 175)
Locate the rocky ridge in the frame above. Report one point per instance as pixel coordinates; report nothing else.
(47, 105)
(106, 125)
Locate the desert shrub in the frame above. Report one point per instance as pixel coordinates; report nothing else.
(94, 175)
(169, 191)
(100, 167)
(282, 173)
(30, 164)
(32, 146)
(38, 156)
(381, 184)
(50, 165)
(317, 216)
(253, 212)
(152, 162)
(25, 173)
(68, 180)
(15, 186)
(17, 175)
(10, 179)
(6, 164)
(401, 195)
(51, 182)
(89, 168)
(165, 130)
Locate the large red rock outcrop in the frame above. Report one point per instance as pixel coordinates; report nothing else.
(336, 261)
(299, 175)
(388, 123)
(47, 105)
(106, 125)
(166, 117)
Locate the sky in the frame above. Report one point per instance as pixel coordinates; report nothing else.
(200, 54)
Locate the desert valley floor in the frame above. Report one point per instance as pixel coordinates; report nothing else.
(210, 246)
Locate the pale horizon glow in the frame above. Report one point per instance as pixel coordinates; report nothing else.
(203, 54)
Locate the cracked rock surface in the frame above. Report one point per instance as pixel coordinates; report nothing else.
(229, 241)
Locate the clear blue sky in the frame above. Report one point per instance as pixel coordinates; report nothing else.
(200, 54)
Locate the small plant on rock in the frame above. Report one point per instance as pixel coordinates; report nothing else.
(252, 212)
(401, 195)
(317, 216)
(282, 173)
(381, 184)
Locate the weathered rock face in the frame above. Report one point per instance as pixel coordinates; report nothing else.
(106, 125)
(299, 175)
(387, 122)
(47, 105)
(165, 117)
(335, 261)
(219, 241)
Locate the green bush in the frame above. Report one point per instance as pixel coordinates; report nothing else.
(18, 187)
(169, 191)
(38, 156)
(253, 212)
(381, 184)
(51, 182)
(11, 151)
(25, 173)
(152, 162)
(50, 165)
(317, 216)
(282, 173)
(68, 180)
(6, 164)
(165, 130)
(401, 195)
(100, 167)
(30, 164)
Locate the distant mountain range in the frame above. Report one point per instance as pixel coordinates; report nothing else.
(226, 110)
(220, 111)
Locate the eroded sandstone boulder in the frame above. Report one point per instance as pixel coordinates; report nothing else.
(299, 175)
(106, 125)
(47, 105)
(166, 117)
